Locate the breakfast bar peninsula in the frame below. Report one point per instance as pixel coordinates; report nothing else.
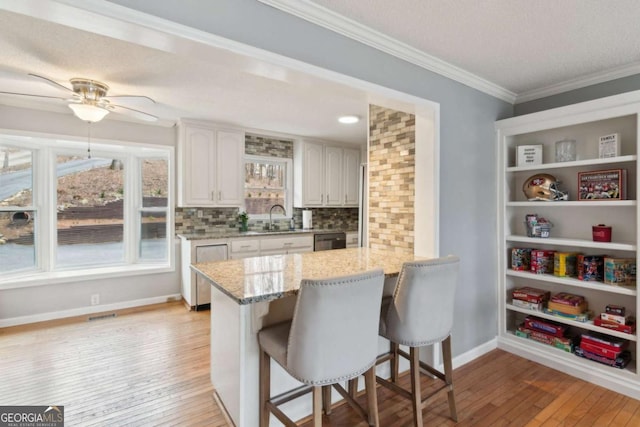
(248, 294)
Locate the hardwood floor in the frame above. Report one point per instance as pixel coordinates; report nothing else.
(150, 367)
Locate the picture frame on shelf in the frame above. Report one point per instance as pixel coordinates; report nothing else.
(602, 185)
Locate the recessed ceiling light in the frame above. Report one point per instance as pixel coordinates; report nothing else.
(349, 119)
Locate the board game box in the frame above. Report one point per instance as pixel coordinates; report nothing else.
(620, 271)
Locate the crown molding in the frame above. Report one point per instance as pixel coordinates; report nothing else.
(579, 82)
(333, 21)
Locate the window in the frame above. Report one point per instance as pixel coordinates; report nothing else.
(73, 213)
(267, 182)
(17, 212)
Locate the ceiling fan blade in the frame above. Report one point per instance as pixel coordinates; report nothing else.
(140, 115)
(120, 97)
(36, 96)
(53, 83)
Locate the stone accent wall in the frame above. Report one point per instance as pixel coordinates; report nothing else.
(391, 179)
(265, 146)
(216, 219)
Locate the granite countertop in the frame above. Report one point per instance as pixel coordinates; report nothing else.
(228, 234)
(267, 278)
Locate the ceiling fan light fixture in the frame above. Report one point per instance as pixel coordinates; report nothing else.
(88, 112)
(348, 119)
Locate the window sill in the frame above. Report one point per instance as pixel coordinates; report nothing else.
(50, 278)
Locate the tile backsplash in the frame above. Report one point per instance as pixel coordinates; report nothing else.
(216, 219)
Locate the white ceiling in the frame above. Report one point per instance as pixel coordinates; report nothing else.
(523, 48)
(530, 48)
(185, 78)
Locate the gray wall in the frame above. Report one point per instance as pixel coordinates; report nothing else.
(601, 90)
(468, 157)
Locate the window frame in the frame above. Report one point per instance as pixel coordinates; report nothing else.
(288, 163)
(45, 149)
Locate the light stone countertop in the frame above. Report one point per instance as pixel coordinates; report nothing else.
(271, 277)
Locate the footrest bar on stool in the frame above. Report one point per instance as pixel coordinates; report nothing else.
(394, 387)
(291, 394)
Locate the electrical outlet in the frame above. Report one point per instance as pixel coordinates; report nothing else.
(95, 299)
(199, 213)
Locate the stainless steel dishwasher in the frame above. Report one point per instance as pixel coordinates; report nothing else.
(328, 241)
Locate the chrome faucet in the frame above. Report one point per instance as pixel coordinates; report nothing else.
(284, 211)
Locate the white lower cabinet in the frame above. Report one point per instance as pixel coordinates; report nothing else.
(571, 230)
(244, 248)
(270, 245)
(286, 245)
(195, 291)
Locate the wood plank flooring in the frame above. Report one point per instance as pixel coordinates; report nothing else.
(150, 367)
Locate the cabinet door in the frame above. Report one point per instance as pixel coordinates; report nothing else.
(334, 194)
(198, 171)
(351, 176)
(229, 168)
(313, 174)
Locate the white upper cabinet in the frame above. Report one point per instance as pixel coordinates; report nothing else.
(351, 166)
(333, 179)
(325, 175)
(210, 169)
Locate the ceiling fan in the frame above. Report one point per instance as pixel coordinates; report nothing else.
(89, 100)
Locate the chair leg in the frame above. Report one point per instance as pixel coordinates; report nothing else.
(448, 374)
(326, 399)
(264, 388)
(317, 406)
(416, 395)
(394, 362)
(372, 396)
(353, 387)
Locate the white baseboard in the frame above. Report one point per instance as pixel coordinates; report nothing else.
(474, 353)
(42, 317)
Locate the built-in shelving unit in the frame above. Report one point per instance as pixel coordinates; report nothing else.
(572, 226)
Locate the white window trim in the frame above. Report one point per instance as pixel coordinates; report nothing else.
(45, 239)
(288, 183)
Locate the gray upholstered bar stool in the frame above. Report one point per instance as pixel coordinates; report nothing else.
(421, 313)
(332, 338)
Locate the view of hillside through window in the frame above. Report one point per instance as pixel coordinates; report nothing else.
(90, 210)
